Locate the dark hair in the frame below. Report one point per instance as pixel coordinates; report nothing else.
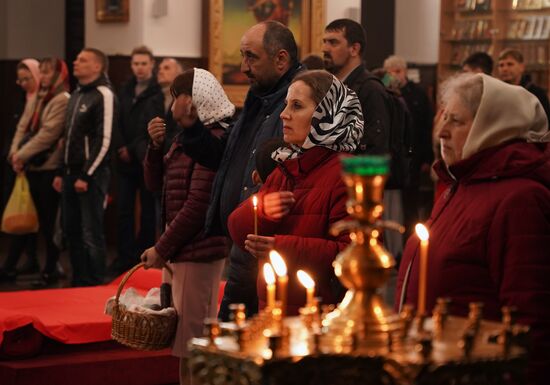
(265, 164)
(318, 80)
(480, 60)
(353, 31)
(183, 84)
(143, 50)
(22, 66)
(100, 56)
(513, 53)
(313, 62)
(278, 37)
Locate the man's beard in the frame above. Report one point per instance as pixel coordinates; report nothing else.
(264, 86)
(329, 65)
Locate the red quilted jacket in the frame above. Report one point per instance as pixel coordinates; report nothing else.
(185, 189)
(490, 240)
(301, 237)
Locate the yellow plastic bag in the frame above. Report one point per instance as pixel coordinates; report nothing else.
(20, 215)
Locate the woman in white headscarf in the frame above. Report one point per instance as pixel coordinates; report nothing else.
(490, 230)
(195, 259)
(305, 194)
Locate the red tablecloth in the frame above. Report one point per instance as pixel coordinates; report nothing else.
(70, 316)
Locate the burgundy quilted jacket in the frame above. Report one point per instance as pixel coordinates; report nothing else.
(490, 240)
(302, 237)
(185, 187)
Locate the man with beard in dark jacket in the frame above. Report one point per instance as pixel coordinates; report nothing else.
(91, 114)
(130, 143)
(343, 51)
(270, 61)
(344, 44)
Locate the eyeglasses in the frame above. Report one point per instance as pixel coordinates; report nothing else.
(23, 80)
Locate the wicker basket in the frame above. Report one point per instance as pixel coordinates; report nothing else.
(138, 330)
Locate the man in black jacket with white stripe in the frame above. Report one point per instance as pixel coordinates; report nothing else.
(91, 112)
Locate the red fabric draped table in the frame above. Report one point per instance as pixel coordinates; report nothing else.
(60, 336)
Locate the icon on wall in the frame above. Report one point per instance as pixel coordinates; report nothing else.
(112, 11)
(228, 20)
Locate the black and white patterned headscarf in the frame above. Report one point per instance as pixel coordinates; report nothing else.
(210, 99)
(337, 123)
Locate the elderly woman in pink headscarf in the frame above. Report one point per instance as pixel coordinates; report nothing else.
(35, 149)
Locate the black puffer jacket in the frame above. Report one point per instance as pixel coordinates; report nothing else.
(91, 115)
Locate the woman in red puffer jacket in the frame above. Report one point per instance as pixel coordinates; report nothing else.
(490, 231)
(305, 195)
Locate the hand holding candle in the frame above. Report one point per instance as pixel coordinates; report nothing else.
(422, 233)
(282, 278)
(306, 280)
(269, 277)
(255, 205)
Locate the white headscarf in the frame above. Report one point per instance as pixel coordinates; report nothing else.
(505, 112)
(337, 123)
(209, 98)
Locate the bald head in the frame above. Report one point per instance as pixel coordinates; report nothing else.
(268, 51)
(169, 68)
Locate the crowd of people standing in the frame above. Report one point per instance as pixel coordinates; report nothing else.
(176, 143)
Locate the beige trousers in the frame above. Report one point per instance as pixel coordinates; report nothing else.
(195, 294)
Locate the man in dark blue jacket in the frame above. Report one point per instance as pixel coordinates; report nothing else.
(91, 114)
(270, 61)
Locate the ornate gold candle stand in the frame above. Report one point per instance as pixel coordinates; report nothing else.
(362, 341)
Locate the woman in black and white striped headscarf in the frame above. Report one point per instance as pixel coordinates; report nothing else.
(336, 121)
(305, 195)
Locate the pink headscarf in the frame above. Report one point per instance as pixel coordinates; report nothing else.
(33, 66)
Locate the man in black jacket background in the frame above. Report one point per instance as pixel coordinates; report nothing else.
(130, 143)
(417, 207)
(92, 113)
(344, 44)
(343, 51)
(511, 69)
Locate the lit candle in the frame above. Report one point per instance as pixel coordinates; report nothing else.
(255, 205)
(279, 265)
(269, 277)
(422, 233)
(309, 284)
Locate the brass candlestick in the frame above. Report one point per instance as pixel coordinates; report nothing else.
(363, 320)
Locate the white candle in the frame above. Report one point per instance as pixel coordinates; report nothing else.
(255, 205)
(306, 280)
(269, 277)
(424, 235)
(279, 265)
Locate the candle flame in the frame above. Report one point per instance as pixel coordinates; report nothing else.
(422, 232)
(269, 275)
(278, 263)
(255, 201)
(305, 279)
